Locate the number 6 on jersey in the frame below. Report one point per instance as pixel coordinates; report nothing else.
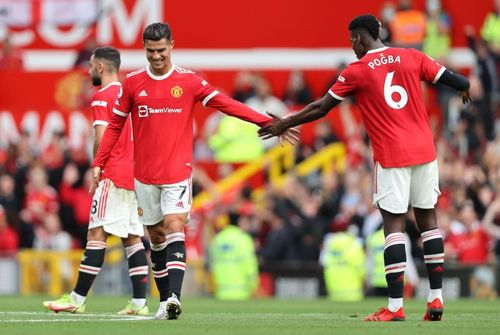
(390, 89)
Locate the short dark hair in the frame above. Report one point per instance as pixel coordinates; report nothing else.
(156, 31)
(109, 54)
(368, 23)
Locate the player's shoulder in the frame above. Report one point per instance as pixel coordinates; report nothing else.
(111, 88)
(351, 70)
(408, 51)
(107, 92)
(183, 71)
(136, 73)
(97, 97)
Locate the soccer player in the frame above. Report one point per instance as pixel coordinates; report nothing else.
(160, 98)
(386, 84)
(114, 205)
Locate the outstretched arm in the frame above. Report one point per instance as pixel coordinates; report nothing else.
(311, 112)
(243, 112)
(458, 82)
(237, 109)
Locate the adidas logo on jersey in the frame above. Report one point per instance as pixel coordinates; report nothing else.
(143, 94)
(180, 204)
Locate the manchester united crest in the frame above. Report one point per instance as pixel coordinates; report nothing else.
(140, 211)
(176, 91)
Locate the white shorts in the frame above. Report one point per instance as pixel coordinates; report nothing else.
(156, 201)
(396, 188)
(115, 209)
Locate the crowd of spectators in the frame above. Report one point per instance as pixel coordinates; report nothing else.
(43, 193)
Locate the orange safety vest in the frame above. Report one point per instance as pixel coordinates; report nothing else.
(408, 27)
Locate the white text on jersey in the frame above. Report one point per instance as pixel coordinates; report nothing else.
(384, 60)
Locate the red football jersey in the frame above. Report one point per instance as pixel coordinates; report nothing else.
(120, 166)
(386, 85)
(162, 121)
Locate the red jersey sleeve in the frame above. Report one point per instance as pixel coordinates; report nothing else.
(99, 108)
(430, 70)
(345, 85)
(115, 126)
(237, 109)
(212, 98)
(123, 101)
(203, 92)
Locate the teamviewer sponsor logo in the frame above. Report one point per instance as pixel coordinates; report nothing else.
(143, 111)
(165, 110)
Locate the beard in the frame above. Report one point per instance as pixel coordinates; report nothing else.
(96, 81)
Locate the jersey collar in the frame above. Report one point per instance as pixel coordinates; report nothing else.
(110, 84)
(155, 77)
(377, 50)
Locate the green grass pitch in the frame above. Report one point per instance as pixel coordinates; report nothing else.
(26, 315)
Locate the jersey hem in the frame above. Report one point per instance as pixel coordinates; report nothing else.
(117, 185)
(157, 182)
(404, 165)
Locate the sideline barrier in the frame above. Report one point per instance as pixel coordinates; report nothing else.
(305, 280)
(47, 271)
(43, 272)
(281, 162)
(55, 272)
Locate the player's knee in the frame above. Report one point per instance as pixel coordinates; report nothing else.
(175, 223)
(131, 240)
(96, 234)
(156, 233)
(175, 227)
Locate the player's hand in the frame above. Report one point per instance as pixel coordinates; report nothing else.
(469, 30)
(276, 127)
(291, 136)
(465, 96)
(96, 174)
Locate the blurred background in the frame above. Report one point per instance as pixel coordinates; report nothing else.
(298, 205)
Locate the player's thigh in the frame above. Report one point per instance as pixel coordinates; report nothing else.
(148, 203)
(391, 188)
(112, 209)
(176, 198)
(424, 188)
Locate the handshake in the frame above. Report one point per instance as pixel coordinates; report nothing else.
(278, 127)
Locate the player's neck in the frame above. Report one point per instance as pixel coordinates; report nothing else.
(108, 79)
(376, 45)
(162, 71)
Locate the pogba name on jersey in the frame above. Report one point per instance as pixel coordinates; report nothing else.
(382, 60)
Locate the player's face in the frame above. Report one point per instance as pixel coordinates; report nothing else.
(94, 71)
(357, 46)
(158, 54)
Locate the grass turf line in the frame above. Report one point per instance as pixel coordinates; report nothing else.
(26, 315)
